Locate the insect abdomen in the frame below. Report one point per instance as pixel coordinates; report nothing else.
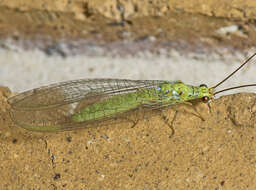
(114, 105)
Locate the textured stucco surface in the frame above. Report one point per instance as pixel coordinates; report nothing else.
(197, 41)
(194, 21)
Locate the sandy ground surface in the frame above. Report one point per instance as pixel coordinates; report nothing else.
(217, 153)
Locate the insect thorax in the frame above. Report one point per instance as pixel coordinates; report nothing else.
(181, 92)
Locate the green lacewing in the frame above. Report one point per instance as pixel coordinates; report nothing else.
(79, 103)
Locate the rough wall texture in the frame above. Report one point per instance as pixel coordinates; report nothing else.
(118, 9)
(216, 152)
(195, 21)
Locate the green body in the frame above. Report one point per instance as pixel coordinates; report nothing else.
(165, 94)
(76, 104)
(79, 103)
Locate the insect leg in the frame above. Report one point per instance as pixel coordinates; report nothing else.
(170, 125)
(124, 119)
(209, 106)
(197, 114)
(132, 116)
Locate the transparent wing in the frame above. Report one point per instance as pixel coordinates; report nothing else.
(50, 108)
(74, 91)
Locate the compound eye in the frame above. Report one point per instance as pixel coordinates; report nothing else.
(205, 99)
(204, 85)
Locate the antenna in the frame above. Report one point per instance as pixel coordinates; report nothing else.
(235, 87)
(247, 61)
